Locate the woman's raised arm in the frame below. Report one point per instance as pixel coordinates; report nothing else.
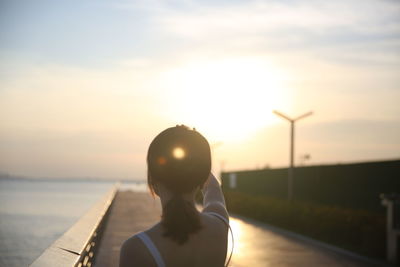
(213, 198)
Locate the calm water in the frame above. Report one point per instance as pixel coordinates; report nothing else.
(33, 214)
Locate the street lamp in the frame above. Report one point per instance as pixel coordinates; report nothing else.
(214, 146)
(290, 174)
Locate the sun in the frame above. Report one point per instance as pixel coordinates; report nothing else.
(227, 99)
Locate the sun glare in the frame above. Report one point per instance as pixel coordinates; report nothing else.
(178, 153)
(227, 99)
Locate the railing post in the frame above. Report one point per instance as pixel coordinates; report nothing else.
(391, 201)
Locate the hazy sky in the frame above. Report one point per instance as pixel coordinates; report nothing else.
(86, 85)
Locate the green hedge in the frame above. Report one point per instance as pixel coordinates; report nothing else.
(356, 230)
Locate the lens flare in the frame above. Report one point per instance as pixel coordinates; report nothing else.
(161, 161)
(178, 153)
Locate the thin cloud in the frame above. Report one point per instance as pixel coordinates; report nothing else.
(310, 27)
(269, 16)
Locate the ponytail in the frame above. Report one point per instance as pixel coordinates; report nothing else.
(180, 218)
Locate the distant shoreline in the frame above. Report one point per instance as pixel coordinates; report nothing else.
(66, 179)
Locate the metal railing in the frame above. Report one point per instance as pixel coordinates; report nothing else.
(77, 247)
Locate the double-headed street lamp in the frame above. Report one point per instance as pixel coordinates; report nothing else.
(290, 174)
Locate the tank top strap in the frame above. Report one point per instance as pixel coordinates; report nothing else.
(152, 248)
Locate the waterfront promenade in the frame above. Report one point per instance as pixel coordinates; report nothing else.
(256, 244)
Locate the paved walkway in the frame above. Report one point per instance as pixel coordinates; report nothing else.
(130, 213)
(256, 244)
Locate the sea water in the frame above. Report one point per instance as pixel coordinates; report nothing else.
(34, 213)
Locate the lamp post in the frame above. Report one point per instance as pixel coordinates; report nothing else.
(290, 174)
(213, 146)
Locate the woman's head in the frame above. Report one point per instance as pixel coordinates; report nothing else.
(180, 159)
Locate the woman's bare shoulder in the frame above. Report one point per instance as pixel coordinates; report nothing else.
(134, 253)
(214, 224)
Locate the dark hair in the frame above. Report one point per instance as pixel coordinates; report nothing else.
(180, 159)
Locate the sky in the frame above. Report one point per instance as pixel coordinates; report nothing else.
(86, 85)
